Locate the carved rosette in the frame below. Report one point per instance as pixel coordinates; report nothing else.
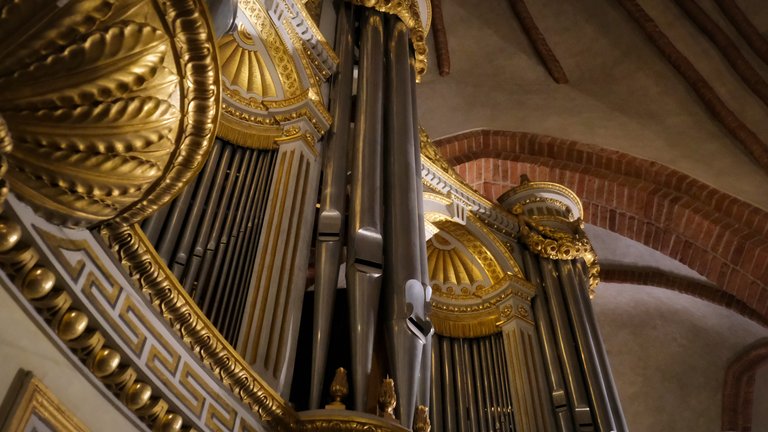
(112, 105)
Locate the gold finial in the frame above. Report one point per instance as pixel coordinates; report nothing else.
(339, 389)
(387, 399)
(421, 423)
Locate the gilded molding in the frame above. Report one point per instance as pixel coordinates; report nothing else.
(482, 315)
(272, 67)
(438, 175)
(345, 421)
(408, 12)
(112, 105)
(154, 279)
(35, 400)
(38, 284)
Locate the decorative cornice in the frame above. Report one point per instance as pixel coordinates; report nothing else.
(38, 284)
(140, 260)
(345, 421)
(480, 316)
(440, 176)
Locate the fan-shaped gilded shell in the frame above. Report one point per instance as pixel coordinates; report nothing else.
(111, 105)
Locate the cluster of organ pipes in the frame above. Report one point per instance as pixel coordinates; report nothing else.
(375, 223)
(471, 389)
(208, 236)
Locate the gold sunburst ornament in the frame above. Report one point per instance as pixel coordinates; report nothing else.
(111, 104)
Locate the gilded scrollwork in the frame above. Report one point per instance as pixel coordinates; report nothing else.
(112, 105)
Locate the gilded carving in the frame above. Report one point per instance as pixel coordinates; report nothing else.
(408, 12)
(20, 262)
(267, 89)
(112, 106)
(339, 389)
(549, 242)
(345, 421)
(141, 262)
(387, 399)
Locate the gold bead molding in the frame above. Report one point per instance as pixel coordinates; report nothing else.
(142, 263)
(20, 262)
(112, 105)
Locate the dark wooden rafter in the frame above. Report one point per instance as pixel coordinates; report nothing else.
(440, 36)
(749, 141)
(741, 22)
(727, 47)
(539, 42)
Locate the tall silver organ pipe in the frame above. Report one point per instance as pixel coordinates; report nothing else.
(406, 324)
(332, 209)
(209, 233)
(365, 254)
(384, 238)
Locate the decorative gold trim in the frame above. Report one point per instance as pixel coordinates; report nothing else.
(38, 285)
(140, 260)
(527, 186)
(112, 106)
(33, 398)
(345, 421)
(480, 317)
(430, 156)
(408, 12)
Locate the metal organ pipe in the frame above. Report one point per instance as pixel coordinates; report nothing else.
(217, 217)
(407, 326)
(365, 244)
(332, 203)
(566, 345)
(548, 345)
(593, 372)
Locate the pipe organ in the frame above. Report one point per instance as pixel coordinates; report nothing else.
(208, 236)
(197, 203)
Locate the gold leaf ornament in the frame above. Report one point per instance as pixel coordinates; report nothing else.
(112, 105)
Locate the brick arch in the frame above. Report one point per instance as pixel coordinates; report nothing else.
(739, 386)
(719, 236)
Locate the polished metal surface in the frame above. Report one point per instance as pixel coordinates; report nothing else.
(222, 13)
(332, 209)
(406, 323)
(548, 344)
(566, 346)
(184, 248)
(592, 369)
(191, 271)
(365, 244)
(450, 401)
(436, 396)
(601, 355)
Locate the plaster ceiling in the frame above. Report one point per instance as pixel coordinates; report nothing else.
(622, 93)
